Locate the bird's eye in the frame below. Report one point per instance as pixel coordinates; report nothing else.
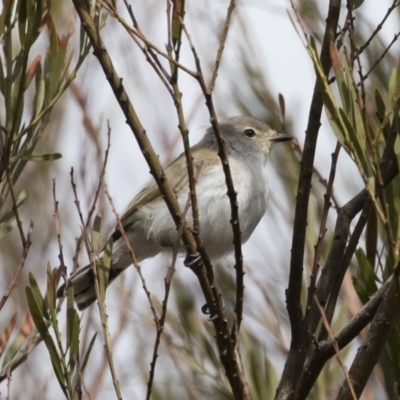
(250, 133)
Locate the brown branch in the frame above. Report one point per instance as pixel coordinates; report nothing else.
(382, 56)
(289, 384)
(211, 293)
(17, 271)
(161, 321)
(22, 354)
(379, 26)
(232, 194)
(58, 231)
(85, 225)
(14, 204)
(104, 325)
(325, 350)
(149, 54)
(382, 325)
(336, 347)
(143, 38)
(133, 257)
(221, 45)
(296, 146)
(322, 231)
(338, 260)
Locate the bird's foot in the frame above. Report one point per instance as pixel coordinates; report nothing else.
(193, 261)
(211, 311)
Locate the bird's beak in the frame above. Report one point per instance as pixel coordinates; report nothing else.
(280, 137)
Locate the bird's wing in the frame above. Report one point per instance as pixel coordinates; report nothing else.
(176, 174)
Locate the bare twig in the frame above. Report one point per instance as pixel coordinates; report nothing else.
(379, 26)
(336, 347)
(58, 231)
(385, 319)
(143, 38)
(106, 332)
(85, 225)
(325, 350)
(17, 270)
(148, 52)
(14, 204)
(211, 292)
(296, 146)
(221, 45)
(232, 195)
(322, 231)
(9, 379)
(378, 60)
(133, 257)
(289, 383)
(161, 321)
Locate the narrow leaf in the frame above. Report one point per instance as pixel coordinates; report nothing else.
(43, 157)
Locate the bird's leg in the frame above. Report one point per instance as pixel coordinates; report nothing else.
(193, 261)
(211, 311)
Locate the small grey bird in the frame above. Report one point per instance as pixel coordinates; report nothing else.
(149, 225)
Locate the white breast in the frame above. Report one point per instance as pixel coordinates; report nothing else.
(250, 183)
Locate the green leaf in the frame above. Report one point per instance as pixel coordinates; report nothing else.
(390, 103)
(36, 304)
(354, 144)
(73, 326)
(103, 271)
(87, 355)
(380, 106)
(340, 76)
(356, 4)
(96, 233)
(55, 360)
(38, 297)
(178, 13)
(54, 60)
(43, 157)
(366, 277)
(22, 20)
(39, 96)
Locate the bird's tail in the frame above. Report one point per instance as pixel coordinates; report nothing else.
(83, 283)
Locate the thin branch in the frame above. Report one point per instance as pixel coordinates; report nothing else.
(367, 356)
(133, 257)
(211, 293)
(296, 146)
(22, 354)
(337, 279)
(104, 325)
(336, 347)
(160, 323)
(221, 45)
(322, 231)
(149, 54)
(379, 26)
(232, 194)
(143, 38)
(85, 225)
(17, 270)
(14, 204)
(58, 230)
(382, 56)
(332, 275)
(289, 384)
(325, 350)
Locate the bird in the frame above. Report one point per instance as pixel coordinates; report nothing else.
(148, 224)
